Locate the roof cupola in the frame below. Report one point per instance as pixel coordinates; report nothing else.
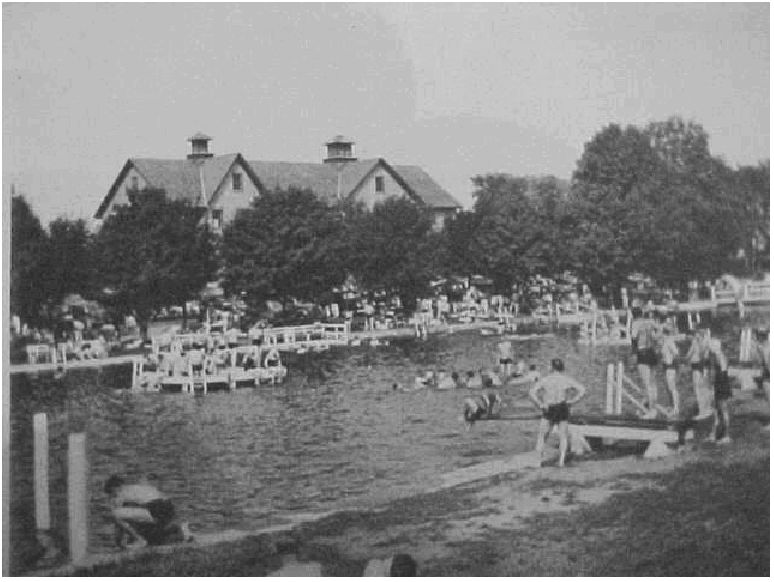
(339, 150)
(199, 146)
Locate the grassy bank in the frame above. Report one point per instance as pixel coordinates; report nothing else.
(703, 513)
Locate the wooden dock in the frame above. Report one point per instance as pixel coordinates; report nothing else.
(72, 365)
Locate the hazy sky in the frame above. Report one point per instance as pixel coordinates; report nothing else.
(459, 89)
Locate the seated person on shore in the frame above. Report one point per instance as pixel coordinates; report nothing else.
(552, 395)
(474, 381)
(521, 367)
(493, 377)
(483, 406)
(397, 566)
(447, 382)
(143, 515)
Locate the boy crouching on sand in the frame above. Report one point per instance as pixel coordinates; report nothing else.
(143, 515)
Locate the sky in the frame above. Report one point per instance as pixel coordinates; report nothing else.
(458, 89)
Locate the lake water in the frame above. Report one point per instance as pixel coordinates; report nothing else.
(334, 436)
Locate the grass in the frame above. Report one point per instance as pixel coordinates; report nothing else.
(709, 519)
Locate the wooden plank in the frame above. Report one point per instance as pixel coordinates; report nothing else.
(624, 433)
(40, 471)
(77, 496)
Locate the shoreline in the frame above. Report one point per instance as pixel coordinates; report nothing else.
(445, 525)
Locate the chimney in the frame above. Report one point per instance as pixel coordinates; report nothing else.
(199, 145)
(339, 150)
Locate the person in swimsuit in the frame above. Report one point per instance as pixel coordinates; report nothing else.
(722, 424)
(485, 405)
(505, 351)
(669, 355)
(647, 359)
(143, 515)
(551, 395)
(697, 356)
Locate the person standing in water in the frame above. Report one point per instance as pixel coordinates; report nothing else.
(552, 395)
(669, 355)
(505, 351)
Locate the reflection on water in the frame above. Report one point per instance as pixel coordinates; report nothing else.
(336, 435)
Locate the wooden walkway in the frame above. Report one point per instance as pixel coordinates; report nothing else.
(72, 365)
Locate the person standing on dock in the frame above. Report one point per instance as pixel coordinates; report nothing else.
(698, 355)
(645, 341)
(722, 386)
(552, 395)
(669, 355)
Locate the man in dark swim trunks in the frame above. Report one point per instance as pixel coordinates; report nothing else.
(647, 359)
(551, 395)
(722, 423)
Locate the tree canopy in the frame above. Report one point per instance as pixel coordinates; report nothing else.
(287, 244)
(28, 247)
(153, 253)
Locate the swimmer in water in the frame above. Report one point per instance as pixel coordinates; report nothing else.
(479, 407)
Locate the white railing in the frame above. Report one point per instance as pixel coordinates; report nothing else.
(314, 335)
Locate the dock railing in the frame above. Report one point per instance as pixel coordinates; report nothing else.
(314, 335)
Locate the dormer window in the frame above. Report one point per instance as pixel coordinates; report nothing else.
(236, 181)
(379, 184)
(135, 183)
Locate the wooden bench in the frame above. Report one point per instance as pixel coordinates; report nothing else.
(657, 433)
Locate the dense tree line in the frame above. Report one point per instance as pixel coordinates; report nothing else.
(650, 200)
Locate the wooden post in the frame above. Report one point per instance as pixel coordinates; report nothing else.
(40, 471)
(690, 320)
(610, 391)
(629, 318)
(619, 388)
(594, 327)
(77, 496)
(713, 293)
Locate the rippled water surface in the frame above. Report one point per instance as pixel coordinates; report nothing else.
(335, 435)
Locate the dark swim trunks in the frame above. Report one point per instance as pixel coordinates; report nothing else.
(697, 366)
(722, 386)
(647, 357)
(672, 366)
(557, 412)
(506, 361)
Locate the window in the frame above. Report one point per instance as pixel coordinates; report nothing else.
(236, 181)
(379, 182)
(135, 183)
(217, 217)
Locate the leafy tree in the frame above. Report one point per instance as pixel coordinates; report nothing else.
(392, 247)
(458, 253)
(68, 264)
(288, 244)
(753, 196)
(153, 253)
(28, 247)
(517, 218)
